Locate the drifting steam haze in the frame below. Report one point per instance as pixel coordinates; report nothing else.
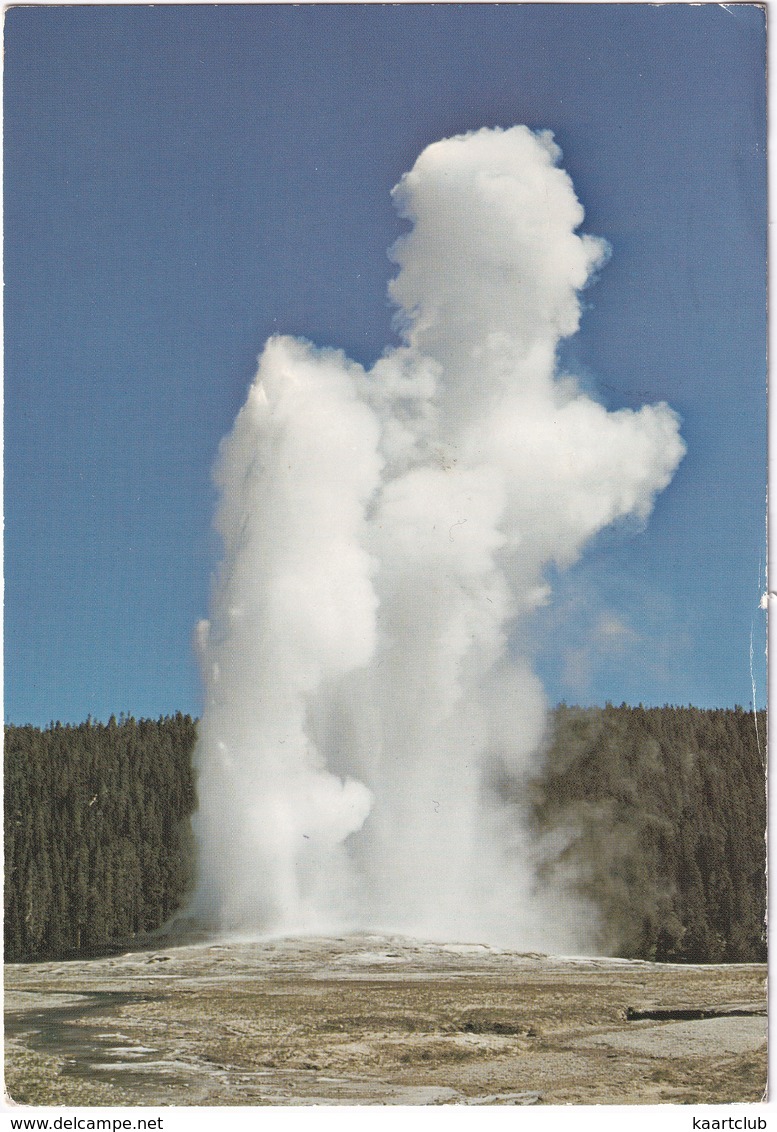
(385, 535)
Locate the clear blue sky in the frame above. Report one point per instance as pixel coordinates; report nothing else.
(183, 181)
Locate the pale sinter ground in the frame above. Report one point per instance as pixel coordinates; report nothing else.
(365, 1019)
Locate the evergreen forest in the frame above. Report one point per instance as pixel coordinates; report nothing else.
(97, 840)
(661, 816)
(656, 815)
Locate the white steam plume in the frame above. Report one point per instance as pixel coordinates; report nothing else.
(385, 533)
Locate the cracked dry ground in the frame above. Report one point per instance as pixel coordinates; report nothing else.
(381, 1020)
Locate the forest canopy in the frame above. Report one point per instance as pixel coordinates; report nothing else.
(97, 839)
(663, 812)
(656, 815)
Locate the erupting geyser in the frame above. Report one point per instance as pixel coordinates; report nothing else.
(384, 534)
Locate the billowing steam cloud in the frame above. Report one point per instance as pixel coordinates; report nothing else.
(385, 533)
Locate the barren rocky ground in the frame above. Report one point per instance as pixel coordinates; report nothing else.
(367, 1019)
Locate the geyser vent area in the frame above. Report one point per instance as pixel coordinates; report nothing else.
(385, 532)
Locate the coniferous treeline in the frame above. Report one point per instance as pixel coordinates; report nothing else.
(660, 813)
(97, 841)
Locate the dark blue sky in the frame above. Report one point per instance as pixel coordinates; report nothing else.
(183, 181)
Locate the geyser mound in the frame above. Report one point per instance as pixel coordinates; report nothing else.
(385, 533)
